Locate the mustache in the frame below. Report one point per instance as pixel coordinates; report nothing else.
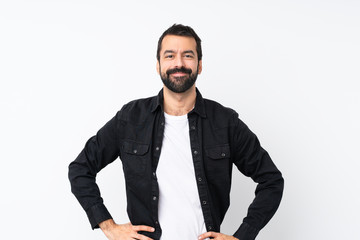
(179, 70)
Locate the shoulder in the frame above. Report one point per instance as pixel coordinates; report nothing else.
(218, 113)
(139, 104)
(214, 108)
(137, 110)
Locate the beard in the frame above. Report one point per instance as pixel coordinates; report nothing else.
(179, 84)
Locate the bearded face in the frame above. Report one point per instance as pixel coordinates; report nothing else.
(178, 63)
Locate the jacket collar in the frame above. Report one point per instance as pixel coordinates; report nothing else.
(158, 102)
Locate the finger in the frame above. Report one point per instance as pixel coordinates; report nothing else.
(207, 235)
(143, 228)
(142, 237)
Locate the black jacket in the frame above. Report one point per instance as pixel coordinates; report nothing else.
(218, 140)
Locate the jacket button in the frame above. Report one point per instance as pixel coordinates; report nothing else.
(210, 227)
(223, 154)
(195, 152)
(135, 151)
(200, 179)
(204, 202)
(193, 127)
(157, 148)
(154, 198)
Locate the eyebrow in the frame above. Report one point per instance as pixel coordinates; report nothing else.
(172, 51)
(189, 51)
(169, 51)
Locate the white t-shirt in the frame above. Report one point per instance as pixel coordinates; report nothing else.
(180, 214)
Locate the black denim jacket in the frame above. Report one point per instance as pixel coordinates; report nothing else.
(218, 140)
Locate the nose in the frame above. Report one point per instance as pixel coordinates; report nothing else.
(178, 62)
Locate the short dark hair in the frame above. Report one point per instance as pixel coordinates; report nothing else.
(180, 30)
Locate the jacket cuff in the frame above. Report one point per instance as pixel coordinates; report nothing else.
(246, 232)
(97, 214)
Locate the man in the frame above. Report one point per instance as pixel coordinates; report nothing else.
(177, 151)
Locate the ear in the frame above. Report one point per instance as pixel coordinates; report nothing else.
(158, 67)
(200, 67)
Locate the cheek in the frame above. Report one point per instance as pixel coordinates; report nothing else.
(193, 65)
(164, 68)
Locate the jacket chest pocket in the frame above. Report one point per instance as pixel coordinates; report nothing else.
(134, 158)
(217, 163)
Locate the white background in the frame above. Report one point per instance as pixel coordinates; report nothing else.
(289, 68)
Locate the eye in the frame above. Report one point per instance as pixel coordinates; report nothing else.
(189, 56)
(169, 56)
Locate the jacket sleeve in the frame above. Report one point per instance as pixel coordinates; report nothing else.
(99, 150)
(253, 161)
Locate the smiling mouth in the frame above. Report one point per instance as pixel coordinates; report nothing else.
(178, 74)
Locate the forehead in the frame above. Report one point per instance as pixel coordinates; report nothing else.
(178, 43)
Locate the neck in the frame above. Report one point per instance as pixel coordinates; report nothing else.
(179, 104)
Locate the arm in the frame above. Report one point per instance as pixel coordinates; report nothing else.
(253, 161)
(100, 150)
